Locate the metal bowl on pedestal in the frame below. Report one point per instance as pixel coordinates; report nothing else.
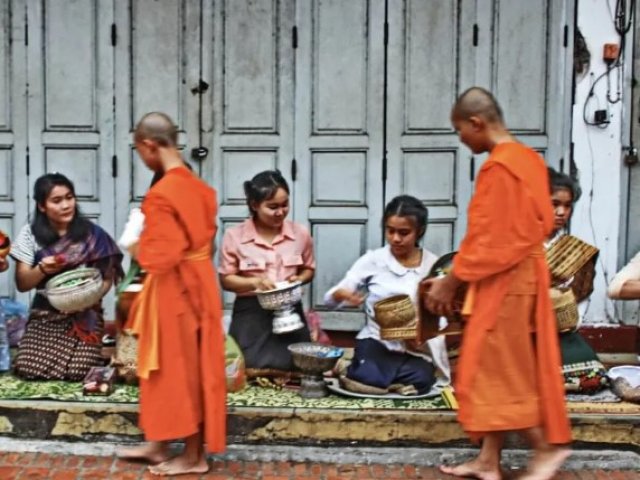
(282, 301)
(313, 359)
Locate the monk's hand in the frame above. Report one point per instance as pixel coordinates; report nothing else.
(262, 284)
(441, 294)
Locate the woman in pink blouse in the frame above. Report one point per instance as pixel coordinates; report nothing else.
(263, 250)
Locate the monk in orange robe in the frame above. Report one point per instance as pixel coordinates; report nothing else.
(178, 315)
(509, 374)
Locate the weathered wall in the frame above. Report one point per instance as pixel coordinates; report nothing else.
(598, 155)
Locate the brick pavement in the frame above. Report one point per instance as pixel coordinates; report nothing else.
(23, 466)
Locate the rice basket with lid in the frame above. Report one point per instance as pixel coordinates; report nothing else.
(75, 290)
(397, 318)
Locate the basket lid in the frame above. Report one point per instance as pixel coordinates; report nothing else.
(568, 255)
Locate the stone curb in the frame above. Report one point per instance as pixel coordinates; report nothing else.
(424, 457)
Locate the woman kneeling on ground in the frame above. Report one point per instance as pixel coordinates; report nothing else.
(395, 269)
(265, 250)
(58, 345)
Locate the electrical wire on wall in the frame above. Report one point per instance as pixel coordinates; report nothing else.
(599, 116)
(622, 20)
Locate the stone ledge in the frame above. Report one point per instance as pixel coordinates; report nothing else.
(287, 426)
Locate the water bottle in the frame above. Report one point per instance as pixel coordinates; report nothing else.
(5, 356)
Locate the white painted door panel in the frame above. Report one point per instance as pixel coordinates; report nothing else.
(14, 187)
(251, 66)
(338, 132)
(431, 61)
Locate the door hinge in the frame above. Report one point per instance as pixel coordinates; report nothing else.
(114, 35)
(565, 36)
(472, 169)
(386, 33)
(201, 87)
(27, 161)
(114, 166)
(294, 170)
(294, 37)
(384, 168)
(475, 34)
(26, 34)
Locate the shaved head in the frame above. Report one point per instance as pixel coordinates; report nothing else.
(157, 127)
(477, 102)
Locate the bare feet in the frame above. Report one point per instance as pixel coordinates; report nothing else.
(474, 469)
(180, 465)
(152, 452)
(546, 463)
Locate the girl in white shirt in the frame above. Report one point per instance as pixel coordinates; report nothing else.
(394, 269)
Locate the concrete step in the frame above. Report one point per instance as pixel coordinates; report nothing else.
(90, 422)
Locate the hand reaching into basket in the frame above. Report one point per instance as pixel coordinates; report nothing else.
(262, 284)
(347, 298)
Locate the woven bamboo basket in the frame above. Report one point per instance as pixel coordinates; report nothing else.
(582, 283)
(84, 292)
(566, 309)
(568, 256)
(357, 387)
(397, 318)
(125, 359)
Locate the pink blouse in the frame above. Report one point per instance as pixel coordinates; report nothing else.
(245, 253)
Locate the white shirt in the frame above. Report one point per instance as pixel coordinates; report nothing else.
(380, 275)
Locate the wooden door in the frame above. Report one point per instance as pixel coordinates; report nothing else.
(14, 185)
(431, 61)
(249, 59)
(338, 134)
(157, 68)
(70, 99)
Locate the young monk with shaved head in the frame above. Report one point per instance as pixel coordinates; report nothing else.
(509, 372)
(178, 315)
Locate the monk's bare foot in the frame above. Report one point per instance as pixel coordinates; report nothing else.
(152, 452)
(474, 469)
(546, 463)
(180, 465)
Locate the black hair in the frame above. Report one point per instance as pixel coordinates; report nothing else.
(42, 230)
(264, 187)
(408, 206)
(559, 180)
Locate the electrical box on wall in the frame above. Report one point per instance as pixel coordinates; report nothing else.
(610, 52)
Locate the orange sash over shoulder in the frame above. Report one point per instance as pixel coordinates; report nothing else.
(144, 319)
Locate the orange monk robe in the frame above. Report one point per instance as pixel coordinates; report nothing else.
(507, 380)
(188, 387)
